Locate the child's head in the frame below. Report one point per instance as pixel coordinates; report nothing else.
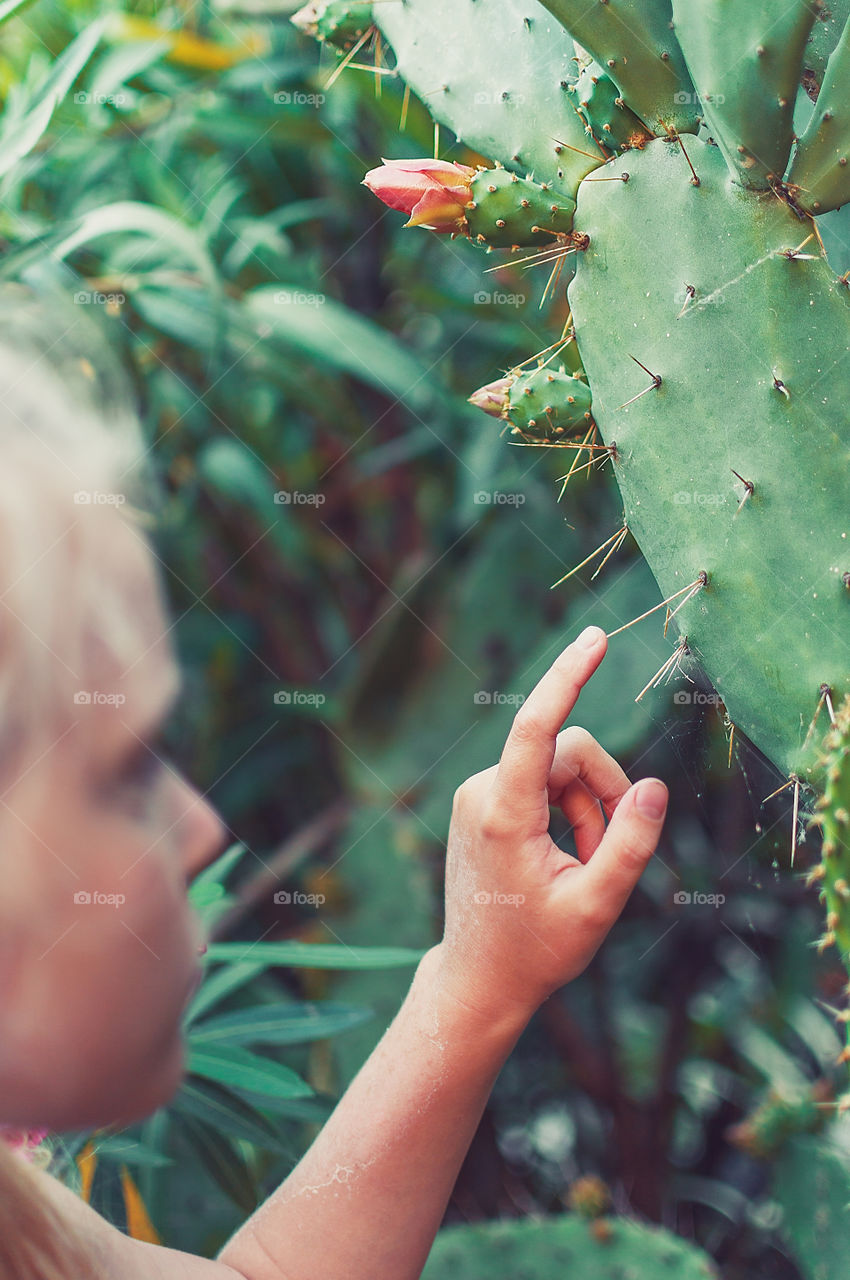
(98, 949)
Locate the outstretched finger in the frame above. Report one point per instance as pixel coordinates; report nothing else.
(526, 761)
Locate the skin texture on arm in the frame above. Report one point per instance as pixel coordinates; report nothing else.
(522, 918)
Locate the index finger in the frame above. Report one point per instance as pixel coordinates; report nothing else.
(529, 751)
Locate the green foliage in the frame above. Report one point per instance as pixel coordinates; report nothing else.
(607, 1249)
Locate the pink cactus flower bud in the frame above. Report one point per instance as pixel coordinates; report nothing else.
(493, 398)
(433, 193)
(306, 19)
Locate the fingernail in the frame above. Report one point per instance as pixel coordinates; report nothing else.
(590, 638)
(651, 798)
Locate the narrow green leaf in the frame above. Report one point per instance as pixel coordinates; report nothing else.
(219, 983)
(234, 1066)
(315, 955)
(333, 334)
(223, 1162)
(225, 1111)
(280, 1024)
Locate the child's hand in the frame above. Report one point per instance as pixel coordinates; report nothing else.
(522, 916)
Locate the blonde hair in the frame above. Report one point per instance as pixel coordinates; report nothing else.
(67, 429)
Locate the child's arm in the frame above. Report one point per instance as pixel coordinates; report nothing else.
(522, 918)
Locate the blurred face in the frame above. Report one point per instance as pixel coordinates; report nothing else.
(98, 839)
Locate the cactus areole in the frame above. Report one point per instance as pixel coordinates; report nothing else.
(654, 142)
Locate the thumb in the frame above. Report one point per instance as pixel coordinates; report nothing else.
(627, 846)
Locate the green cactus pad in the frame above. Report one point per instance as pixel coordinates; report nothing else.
(497, 73)
(634, 41)
(608, 119)
(833, 817)
(829, 24)
(753, 351)
(565, 1248)
(821, 168)
(342, 23)
(508, 210)
(747, 60)
(548, 403)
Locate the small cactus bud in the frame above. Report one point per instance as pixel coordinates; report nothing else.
(433, 193)
(493, 398)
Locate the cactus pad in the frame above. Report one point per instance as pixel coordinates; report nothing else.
(508, 210)
(548, 402)
(634, 41)
(565, 1248)
(497, 73)
(746, 60)
(747, 386)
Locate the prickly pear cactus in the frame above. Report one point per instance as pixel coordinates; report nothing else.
(832, 874)
(565, 1248)
(714, 336)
